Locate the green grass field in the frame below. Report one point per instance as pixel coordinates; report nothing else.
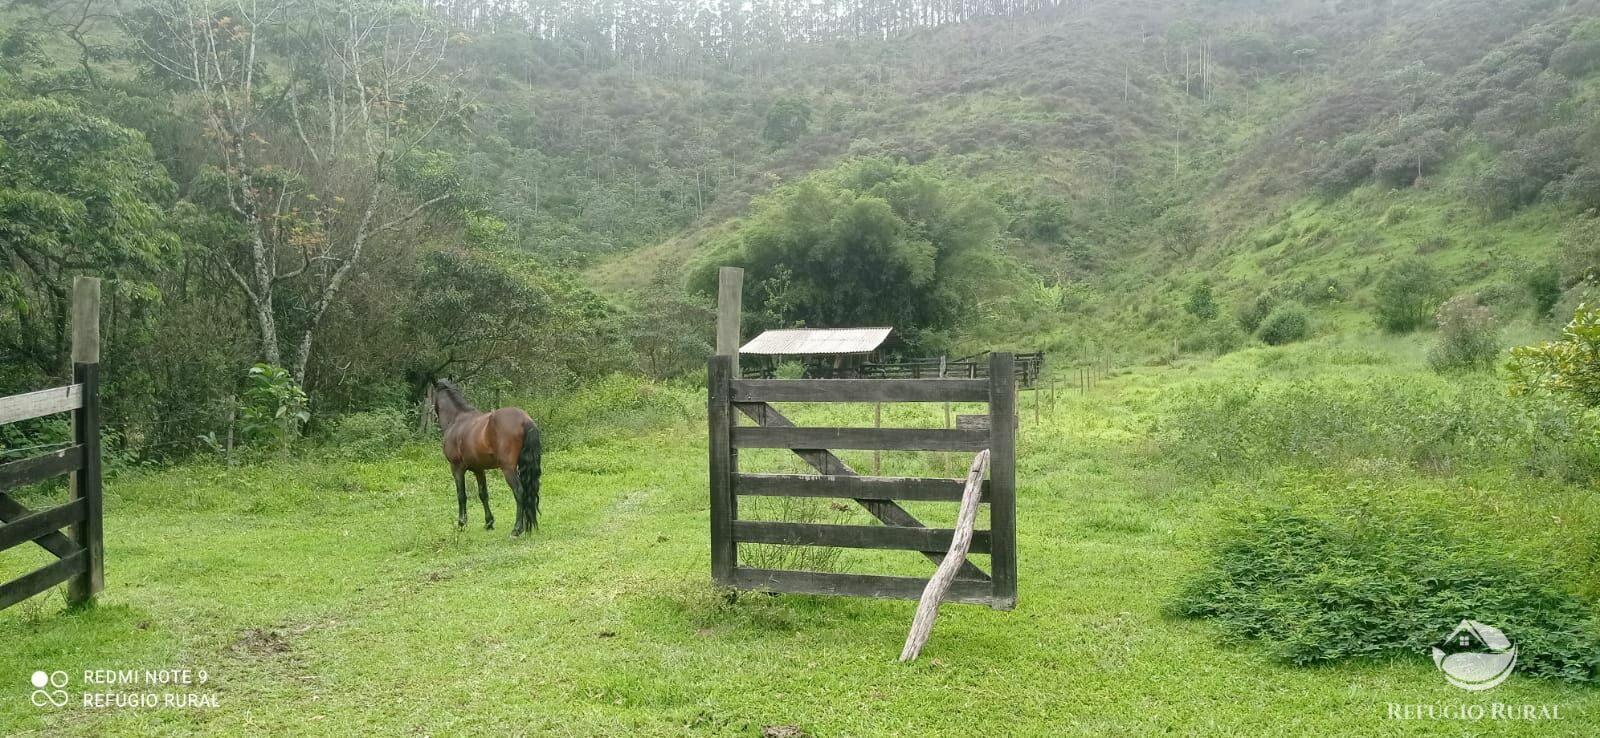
(338, 598)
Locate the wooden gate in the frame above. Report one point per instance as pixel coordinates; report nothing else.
(878, 495)
(80, 555)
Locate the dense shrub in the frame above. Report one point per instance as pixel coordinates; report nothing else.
(1219, 337)
(1407, 295)
(1544, 287)
(1350, 572)
(1201, 303)
(374, 434)
(1288, 323)
(1469, 337)
(1252, 312)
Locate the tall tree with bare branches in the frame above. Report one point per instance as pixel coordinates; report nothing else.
(319, 115)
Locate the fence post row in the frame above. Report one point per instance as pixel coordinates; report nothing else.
(880, 496)
(80, 557)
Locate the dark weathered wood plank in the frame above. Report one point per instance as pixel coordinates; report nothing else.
(88, 534)
(29, 585)
(719, 413)
(882, 537)
(56, 543)
(869, 439)
(856, 585)
(36, 525)
(825, 462)
(1003, 478)
(860, 390)
(926, 489)
(35, 469)
(30, 405)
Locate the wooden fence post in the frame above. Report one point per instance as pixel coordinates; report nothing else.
(86, 433)
(944, 366)
(427, 411)
(233, 416)
(730, 304)
(1003, 479)
(877, 422)
(719, 412)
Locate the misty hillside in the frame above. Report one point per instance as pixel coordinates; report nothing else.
(1087, 178)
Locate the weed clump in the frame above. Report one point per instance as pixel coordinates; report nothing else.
(1349, 573)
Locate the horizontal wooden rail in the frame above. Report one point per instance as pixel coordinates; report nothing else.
(883, 537)
(41, 524)
(868, 439)
(856, 585)
(849, 487)
(31, 405)
(860, 390)
(36, 469)
(29, 585)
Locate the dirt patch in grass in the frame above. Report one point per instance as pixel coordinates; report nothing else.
(268, 642)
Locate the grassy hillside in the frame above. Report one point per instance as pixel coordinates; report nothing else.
(1301, 148)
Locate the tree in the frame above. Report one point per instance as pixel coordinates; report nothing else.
(312, 110)
(1201, 303)
(669, 328)
(787, 121)
(873, 244)
(78, 194)
(1407, 295)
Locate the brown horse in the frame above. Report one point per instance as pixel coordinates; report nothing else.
(504, 439)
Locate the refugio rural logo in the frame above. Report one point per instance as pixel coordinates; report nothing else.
(1475, 657)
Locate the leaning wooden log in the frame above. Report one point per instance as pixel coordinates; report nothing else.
(928, 607)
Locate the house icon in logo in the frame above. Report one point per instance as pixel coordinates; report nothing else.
(1475, 656)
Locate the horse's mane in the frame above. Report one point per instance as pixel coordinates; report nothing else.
(450, 391)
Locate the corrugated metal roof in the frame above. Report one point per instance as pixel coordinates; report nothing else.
(807, 341)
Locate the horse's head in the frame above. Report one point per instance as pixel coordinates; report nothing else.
(448, 400)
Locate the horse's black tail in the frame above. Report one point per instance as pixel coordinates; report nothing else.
(529, 469)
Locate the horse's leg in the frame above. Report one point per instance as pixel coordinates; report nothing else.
(516, 494)
(461, 495)
(483, 496)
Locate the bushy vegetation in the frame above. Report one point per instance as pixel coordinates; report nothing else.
(1368, 509)
(1368, 570)
(1407, 295)
(1468, 336)
(372, 435)
(1287, 323)
(873, 243)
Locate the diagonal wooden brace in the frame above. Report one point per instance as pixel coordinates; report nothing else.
(56, 543)
(824, 461)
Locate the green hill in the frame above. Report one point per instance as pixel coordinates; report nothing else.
(539, 201)
(1297, 148)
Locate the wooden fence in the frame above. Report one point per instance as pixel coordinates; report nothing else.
(878, 495)
(1028, 368)
(80, 554)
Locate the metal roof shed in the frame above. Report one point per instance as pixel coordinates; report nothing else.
(816, 341)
